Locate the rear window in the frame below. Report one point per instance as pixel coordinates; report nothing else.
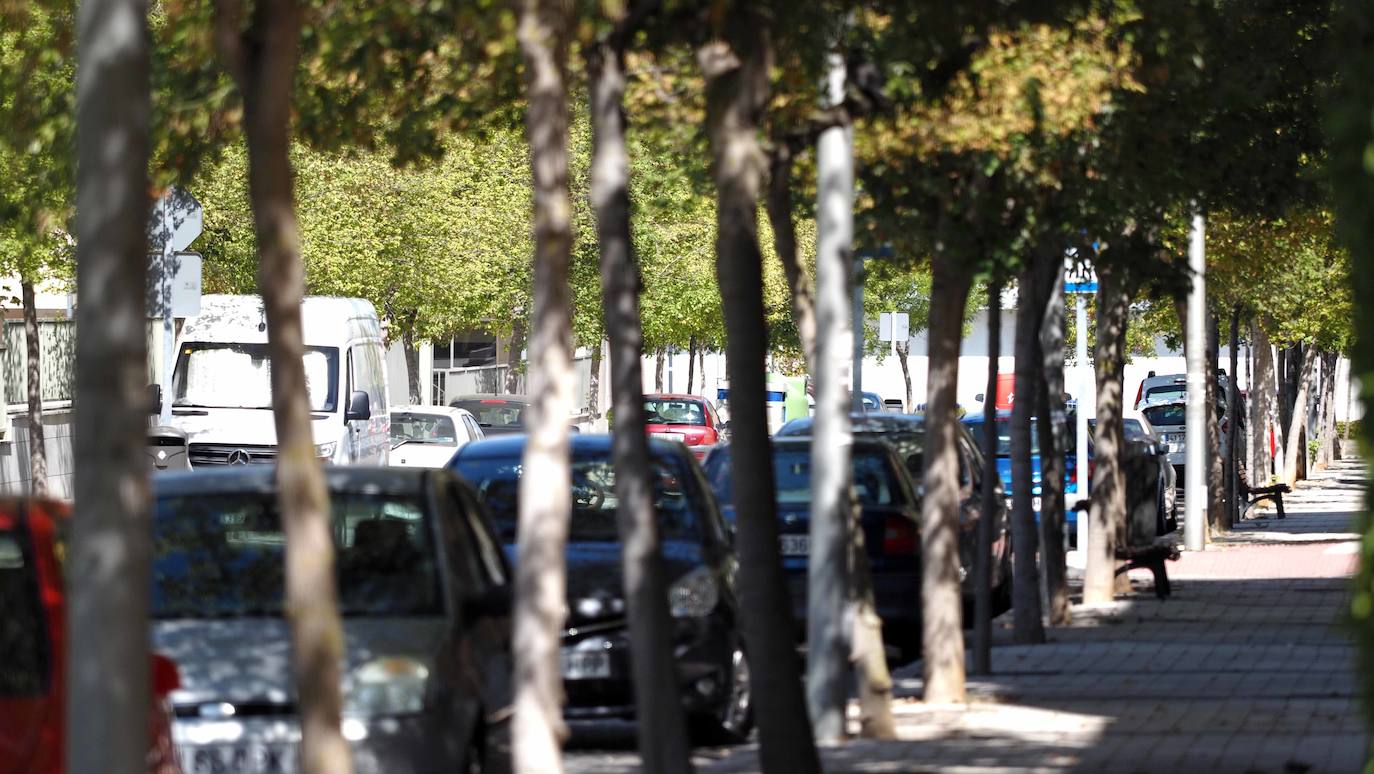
(422, 428)
(1004, 436)
(1167, 392)
(23, 637)
(594, 513)
(495, 413)
(875, 482)
(673, 412)
(1164, 416)
(221, 556)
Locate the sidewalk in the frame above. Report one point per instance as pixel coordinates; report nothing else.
(1245, 669)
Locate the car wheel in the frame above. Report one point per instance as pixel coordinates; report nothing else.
(734, 718)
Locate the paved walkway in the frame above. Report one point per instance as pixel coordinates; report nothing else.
(1246, 669)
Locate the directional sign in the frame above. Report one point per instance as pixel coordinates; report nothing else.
(176, 221)
(1079, 276)
(894, 326)
(183, 287)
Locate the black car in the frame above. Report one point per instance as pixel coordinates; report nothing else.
(891, 517)
(424, 591)
(906, 434)
(700, 563)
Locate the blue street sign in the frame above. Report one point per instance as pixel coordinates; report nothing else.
(1080, 287)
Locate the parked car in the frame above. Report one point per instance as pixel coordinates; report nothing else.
(33, 635)
(1168, 417)
(905, 433)
(424, 591)
(1163, 388)
(495, 414)
(427, 436)
(222, 388)
(890, 518)
(686, 419)
(712, 666)
(975, 424)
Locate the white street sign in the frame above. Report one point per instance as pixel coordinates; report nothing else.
(894, 326)
(176, 221)
(184, 286)
(1079, 276)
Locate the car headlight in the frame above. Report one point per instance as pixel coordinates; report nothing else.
(694, 595)
(325, 451)
(387, 686)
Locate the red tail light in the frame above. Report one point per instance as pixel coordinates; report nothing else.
(1139, 393)
(166, 676)
(899, 536)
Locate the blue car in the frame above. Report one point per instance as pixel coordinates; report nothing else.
(975, 424)
(699, 563)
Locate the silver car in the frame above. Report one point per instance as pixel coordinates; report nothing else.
(423, 590)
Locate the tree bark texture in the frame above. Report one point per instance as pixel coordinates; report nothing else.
(1028, 626)
(691, 362)
(1292, 447)
(982, 566)
(1054, 444)
(779, 205)
(412, 353)
(660, 355)
(546, 481)
(1262, 405)
(1326, 422)
(871, 673)
(903, 357)
(662, 732)
(594, 384)
(33, 372)
(1107, 512)
(942, 635)
(263, 61)
(514, 366)
(1236, 452)
(736, 69)
(1216, 473)
(110, 547)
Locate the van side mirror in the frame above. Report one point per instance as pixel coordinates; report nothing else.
(154, 399)
(359, 406)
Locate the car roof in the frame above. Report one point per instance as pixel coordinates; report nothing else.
(261, 479)
(673, 396)
(452, 411)
(976, 418)
(590, 444)
(861, 422)
(520, 399)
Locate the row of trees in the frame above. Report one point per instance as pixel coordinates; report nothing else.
(988, 138)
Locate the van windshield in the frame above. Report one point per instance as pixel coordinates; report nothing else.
(236, 375)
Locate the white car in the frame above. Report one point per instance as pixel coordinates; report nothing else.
(427, 436)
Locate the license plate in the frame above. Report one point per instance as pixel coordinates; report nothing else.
(1035, 504)
(242, 759)
(668, 436)
(795, 545)
(585, 664)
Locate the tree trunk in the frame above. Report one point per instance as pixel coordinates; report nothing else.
(779, 206)
(832, 436)
(903, 353)
(691, 363)
(701, 366)
(1326, 422)
(1261, 407)
(1107, 513)
(1232, 396)
(594, 384)
(38, 452)
(736, 68)
(660, 355)
(412, 353)
(1216, 475)
(263, 61)
(942, 635)
(982, 567)
(1292, 447)
(1054, 435)
(658, 706)
(514, 365)
(107, 604)
(1027, 624)
(546, 481)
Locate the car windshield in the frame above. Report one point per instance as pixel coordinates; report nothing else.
(221, 556)
(664, 411)
(1167, 415)
(407, 427)
(232, 375)
(875, 482)
(594, 512)
(1004, 436)
(493, 412)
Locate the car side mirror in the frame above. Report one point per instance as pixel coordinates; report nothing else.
(495, 602)
(359, 407)
(154, 399)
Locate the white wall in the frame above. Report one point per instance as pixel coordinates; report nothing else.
(14, 453)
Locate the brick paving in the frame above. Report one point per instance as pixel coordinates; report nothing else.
(1247, 668)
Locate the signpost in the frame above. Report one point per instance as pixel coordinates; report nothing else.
(174, 276)
(1081, 281)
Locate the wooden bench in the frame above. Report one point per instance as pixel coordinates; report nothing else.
(1252, 496)
(1151, 558)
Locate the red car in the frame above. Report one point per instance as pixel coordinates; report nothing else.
(32, 639)
(687, 419)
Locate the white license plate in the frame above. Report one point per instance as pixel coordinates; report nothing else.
(241, 759)
(1035, 504)
(585, 664)
(679, 437)
(795, 545)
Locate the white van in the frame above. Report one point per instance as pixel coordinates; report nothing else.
(222, 388)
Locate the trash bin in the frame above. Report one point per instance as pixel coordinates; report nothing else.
(167, 449)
